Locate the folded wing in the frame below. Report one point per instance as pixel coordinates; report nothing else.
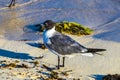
(65, 45)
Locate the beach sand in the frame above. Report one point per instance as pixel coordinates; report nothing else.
(82, 66)
(21, 58)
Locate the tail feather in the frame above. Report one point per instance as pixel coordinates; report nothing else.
(94, 50)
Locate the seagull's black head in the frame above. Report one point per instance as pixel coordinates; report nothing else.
(49, 24)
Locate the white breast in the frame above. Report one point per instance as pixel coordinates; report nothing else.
(47, 34)
(50, 33)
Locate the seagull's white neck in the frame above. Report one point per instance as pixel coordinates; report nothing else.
(50, 32)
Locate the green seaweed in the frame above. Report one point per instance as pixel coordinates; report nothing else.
(73, 28)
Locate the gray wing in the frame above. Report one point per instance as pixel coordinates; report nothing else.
(65, 45)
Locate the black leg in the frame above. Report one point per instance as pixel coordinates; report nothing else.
(63, 62)
(58, 62)
(13, 2)
(10, 3)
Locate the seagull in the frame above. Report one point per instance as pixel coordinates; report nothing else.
(63, 45)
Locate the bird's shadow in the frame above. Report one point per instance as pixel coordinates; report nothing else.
(32, 28)
(31, 32)
(26, 33)
(15, 55)
(97, 76)
(37, 45)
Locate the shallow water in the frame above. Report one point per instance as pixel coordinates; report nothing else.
(94, 14)
(11, 23)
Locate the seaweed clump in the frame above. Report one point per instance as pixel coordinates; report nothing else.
(73, 28)
(111, 77)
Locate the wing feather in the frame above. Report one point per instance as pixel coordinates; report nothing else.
(63, 44)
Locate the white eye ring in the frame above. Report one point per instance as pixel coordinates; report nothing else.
(46, 24)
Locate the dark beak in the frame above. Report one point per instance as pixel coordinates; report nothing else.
(42, 25)
(39, 25)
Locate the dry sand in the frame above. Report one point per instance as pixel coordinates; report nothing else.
(82, 67)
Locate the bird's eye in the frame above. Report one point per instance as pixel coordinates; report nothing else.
(46, 24)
